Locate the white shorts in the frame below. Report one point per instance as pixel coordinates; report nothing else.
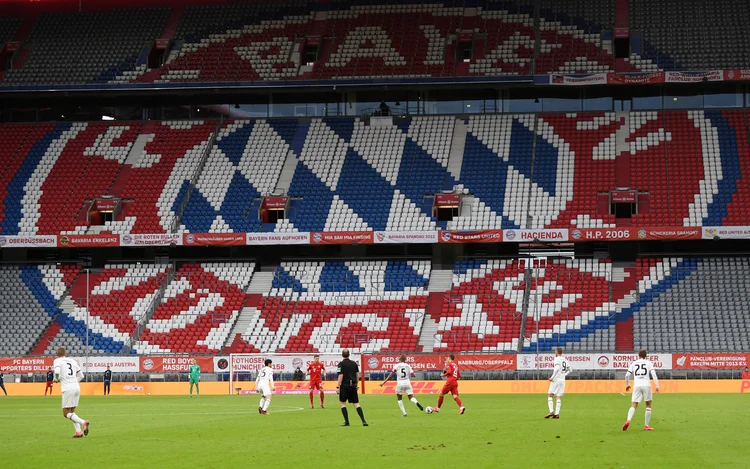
(70, 398)
(264, 389)
(642, 393)
(557, 388)
(405, 388)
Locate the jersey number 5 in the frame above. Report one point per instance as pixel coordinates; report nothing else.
(403, 373)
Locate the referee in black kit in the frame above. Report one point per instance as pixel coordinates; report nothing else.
(347, 386)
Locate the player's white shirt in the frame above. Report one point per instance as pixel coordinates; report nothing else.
(69, 373)
(265, 377)
(561, 369)
(642, 370)
(403, 374)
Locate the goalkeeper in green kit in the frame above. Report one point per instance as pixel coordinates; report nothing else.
(195, 377)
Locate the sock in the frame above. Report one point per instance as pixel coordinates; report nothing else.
(77, 427)
(648, 416)
(267, 403)
(322, 397)
(262, 402)
(550, 404)
(346, 414)
(414, 401)
(440, 402)
(77, 419)
(458, 401)
(557, 409)
(311, 398)
(361, 414)
(197, 390)
(401, 406)
(631, 413)
(191, 390)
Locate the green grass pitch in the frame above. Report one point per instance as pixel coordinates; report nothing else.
(697, 431)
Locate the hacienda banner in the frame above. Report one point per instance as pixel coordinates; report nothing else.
(710, 361)
(31, 241)
(592, 361)
(533, 236)
(466, 362)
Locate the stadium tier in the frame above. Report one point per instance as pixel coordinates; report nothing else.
(316, 41)
(380, 174)
(371, 306)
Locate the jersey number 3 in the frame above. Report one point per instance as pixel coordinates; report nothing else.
(70, 369)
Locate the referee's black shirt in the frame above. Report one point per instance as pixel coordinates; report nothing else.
(348, 369)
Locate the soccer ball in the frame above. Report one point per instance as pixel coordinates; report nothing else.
(428, 409)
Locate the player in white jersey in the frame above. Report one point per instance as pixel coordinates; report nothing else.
(557, 384)
(264, 386)
(68, 373)
(643, 371)
(403, 373)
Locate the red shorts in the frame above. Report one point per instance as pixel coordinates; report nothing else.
(316, 385)
(450, 387)
(49, 384)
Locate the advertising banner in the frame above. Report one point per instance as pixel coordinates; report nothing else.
(530, 236)
(158, 239)
(447, 200)
(460, 237)
(592, 361)
(579, 80)
(150, 364)
(105, 205)
(25, 365)
(466, 362)
(214, 239)
(726, 232)
(623, 197)
(88, 241)
(710, 361)
(277, 238)
(342, 237)
(406, 237)
(284, 363)
(275, 202)
(115, 364)
(31, 241)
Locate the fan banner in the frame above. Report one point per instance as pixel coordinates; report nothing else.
(466, 362)
(406, 237)
(115, 364)
(592, 361)
(532, 236)
(150, 364)
(579, 80)
(88, 241)
(635, 78)
(26, 365)
(461, 237)
(603, 234)
(31, 241)
(214, 239)
(157, 239)
(342, 237)
(726, 232)
(693, 77)
(710, 361)
(284, 363)
(277, 238)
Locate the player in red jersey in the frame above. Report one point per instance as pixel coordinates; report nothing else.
(317, 372)
(452, 373)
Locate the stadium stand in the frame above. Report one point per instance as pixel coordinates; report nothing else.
(692, 34)
(326, 306)
(76, 48)
(698, 304)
